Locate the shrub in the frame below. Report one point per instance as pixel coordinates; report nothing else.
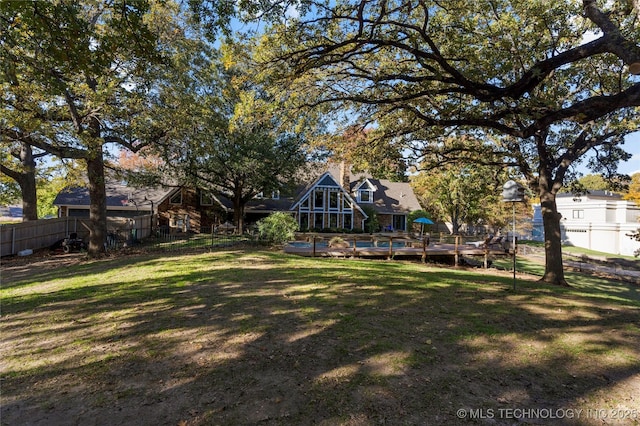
(372, 224)
(338, 242)
(278, 228)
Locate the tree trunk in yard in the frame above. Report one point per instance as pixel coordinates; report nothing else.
(553, 267)
(27, 183)
(238, 213)
(98, 207)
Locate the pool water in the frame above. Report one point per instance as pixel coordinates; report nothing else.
(359, 244)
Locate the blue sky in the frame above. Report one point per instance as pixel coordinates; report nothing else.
(632, 146)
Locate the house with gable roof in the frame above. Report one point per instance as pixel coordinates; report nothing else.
(338, 200)
(335, 199)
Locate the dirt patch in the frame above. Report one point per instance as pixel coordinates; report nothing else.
(17, 268)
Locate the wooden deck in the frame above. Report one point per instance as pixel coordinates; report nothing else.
(415, 249)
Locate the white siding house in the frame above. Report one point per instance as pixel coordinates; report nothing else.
(600, 220)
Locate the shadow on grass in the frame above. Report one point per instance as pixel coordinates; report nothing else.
(249, 337)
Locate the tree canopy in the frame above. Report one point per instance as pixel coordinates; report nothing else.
(237, 142)
(78, 76)
(463, 194)
(541, 84)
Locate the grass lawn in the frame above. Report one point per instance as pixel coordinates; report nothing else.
(257, 337)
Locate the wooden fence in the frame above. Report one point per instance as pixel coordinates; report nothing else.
(43, 233)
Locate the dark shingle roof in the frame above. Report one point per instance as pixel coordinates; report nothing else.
(117, 195)
(390, 197)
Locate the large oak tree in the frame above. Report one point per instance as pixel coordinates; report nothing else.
(78, 76)
(541, 83)
(237, 143)
(19, 164)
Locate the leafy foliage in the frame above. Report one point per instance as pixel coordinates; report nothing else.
(235, 142)
(462, 194)
(372, 224)
(634, 189)
(78, 76)
(278, 227)
(365, 152)
(437, 77)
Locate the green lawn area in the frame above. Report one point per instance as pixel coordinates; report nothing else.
(573, 251)
(259, 337)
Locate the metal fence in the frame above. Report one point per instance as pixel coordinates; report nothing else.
(167, 239)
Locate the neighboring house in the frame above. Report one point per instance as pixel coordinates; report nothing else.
(333, 200)
(122, 201)
(11, 213)
(599, 220)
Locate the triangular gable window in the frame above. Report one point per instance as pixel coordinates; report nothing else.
(328, 181)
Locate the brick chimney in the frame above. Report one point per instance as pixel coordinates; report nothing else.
(345, 176)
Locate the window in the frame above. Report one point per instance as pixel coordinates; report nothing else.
(333, 200)
(206, 199)
(176, 198)
(275, 195)
(318, 221)
(399, 222)
(333, 220)
(347, 221)
(176, 221)
(305, 204)
(318, 199)
(578, 214)
(304, 221)
(259, 195)
(365, 196)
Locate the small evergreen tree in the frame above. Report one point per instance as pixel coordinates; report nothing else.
(372, 224)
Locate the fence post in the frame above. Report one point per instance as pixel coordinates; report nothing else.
(457, 254)
(486, 256)
(13, 240)
(355, 244)
(314, 246)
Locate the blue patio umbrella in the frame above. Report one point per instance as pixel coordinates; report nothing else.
(423, 221)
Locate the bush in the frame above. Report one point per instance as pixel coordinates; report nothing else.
(278, 228)
(338, 242)
(372, 224)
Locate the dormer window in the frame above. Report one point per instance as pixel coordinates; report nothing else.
(275, 195)
(365, 196)
(364, 191)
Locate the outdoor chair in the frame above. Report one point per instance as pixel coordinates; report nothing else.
(495, 241)
(484, 243)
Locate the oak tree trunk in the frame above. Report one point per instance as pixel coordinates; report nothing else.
(98, 206)
(238, 213)
(553, 266)
(27, 183)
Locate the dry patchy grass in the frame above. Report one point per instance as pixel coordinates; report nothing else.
(253, 337)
